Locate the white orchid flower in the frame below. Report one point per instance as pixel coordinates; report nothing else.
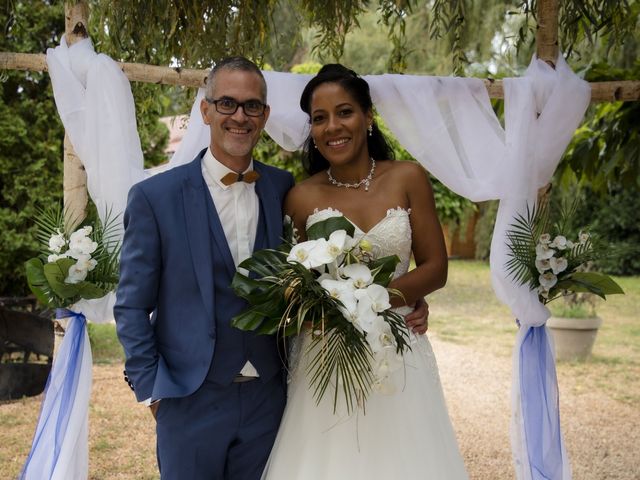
(336, 243)
(547, 280)
(584, 237)
(543, 292)
(340, 290)
(80, 243)
(558, 264)
(543, 252)
(54, 258)
(85, 262)
(543, 265)
(311, 254)
(560, 242)
(76, 274)
(385, 362)
(378, 295)
(365, 315)
(379, 335)
(359, 274)
(545, 239)
(56, 242)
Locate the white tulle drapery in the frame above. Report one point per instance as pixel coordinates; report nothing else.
(60, 448)
(446, 123)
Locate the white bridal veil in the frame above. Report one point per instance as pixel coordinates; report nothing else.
(446, 123)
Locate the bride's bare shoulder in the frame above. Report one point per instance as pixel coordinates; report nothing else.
(403, 171)
(302, 198)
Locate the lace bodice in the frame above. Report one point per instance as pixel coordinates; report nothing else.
(390, 236)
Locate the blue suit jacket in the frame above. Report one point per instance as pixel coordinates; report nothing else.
(166, 268)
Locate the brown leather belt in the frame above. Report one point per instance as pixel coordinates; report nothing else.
(242, 379)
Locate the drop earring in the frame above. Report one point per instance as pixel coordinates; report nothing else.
(370, 129)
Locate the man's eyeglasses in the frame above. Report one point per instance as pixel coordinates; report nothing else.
(229, 106)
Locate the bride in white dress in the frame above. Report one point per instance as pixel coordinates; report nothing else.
(404, 431)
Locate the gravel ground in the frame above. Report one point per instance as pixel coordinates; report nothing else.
(602, 434)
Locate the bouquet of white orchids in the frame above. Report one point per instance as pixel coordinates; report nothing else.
(553, 265)
(333, 286)
(76, 262)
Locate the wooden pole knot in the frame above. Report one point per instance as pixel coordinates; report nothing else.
(80, 30)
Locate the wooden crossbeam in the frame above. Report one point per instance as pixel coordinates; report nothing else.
(626, 90)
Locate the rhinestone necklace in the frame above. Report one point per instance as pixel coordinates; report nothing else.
(365, 181)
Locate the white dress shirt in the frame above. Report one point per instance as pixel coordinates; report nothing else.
(238, 208)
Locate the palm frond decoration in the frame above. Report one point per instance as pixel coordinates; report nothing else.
(61, 275)
(543, 257)
(522, 237)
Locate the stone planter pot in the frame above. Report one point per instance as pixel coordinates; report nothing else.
(574, 337)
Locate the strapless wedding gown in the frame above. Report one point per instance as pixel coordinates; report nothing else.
(403, 434)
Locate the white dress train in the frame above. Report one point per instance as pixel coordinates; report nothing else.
(403, 434)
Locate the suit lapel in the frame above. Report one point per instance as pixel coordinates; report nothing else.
(198, 218)
(270, 206)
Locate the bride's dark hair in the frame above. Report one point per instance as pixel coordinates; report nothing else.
(312, 160)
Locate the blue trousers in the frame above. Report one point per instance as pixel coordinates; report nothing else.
(219, 432)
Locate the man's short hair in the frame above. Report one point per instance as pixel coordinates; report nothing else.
(234, 63)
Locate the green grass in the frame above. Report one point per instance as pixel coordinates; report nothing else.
(466, 311)
(105, 346)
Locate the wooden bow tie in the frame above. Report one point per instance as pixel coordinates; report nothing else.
(232, 177)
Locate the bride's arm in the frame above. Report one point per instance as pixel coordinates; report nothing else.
(294, 207)
(427, 240)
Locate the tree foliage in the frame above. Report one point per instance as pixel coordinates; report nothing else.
(605, 150)
(31, 137)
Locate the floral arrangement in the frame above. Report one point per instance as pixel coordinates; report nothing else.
(543, 256)
(332, 285)
(76, 261)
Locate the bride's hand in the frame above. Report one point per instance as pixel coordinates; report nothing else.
(418, 320)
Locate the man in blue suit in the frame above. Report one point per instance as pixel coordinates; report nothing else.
(217, 393)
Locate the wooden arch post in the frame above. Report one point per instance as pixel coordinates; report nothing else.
(547, 50)
(547, 31)
(74, 181)
(74, 177)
